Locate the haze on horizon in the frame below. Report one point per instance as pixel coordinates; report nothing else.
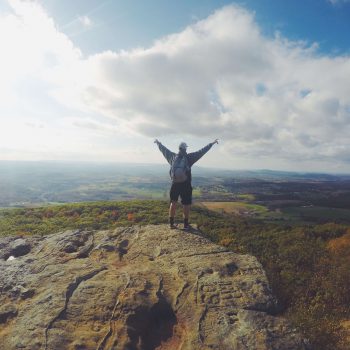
(99, 81)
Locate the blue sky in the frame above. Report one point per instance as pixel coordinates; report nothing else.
(99, 80)
(126, 24)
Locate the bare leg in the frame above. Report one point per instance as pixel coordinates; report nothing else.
(186, 213)
(172, 209)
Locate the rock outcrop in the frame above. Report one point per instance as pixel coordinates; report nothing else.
(135, 288)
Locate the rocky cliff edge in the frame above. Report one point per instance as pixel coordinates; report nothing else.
(135, 288)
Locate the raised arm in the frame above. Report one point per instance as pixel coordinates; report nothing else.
(168, 155)
(195, 156)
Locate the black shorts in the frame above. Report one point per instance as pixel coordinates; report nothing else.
(184, 190)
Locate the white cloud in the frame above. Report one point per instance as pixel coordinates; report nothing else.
(338, 2)
(85, 21)
(31, 46)
(266, 98)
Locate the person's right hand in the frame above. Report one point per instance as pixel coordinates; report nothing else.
(156, 141)
(216, 141)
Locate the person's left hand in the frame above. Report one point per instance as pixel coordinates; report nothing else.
(216, 141)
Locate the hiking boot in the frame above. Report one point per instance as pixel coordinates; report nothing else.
(172, 224)
(187, 227)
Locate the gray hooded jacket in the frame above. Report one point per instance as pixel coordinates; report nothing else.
(191, 157)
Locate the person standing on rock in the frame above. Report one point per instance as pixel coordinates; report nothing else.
(180, 173)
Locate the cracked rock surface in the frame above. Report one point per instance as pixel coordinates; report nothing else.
(135, 288)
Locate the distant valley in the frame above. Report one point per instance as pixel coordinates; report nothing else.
(268, 195)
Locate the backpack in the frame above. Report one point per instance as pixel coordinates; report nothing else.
(179, 169)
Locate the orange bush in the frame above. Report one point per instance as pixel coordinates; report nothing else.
(340, 244)
(226, 242)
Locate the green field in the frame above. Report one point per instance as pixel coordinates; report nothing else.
(236, 208)
(317, 214)
(246, 197)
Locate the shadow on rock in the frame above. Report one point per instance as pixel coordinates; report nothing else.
(148, 328)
